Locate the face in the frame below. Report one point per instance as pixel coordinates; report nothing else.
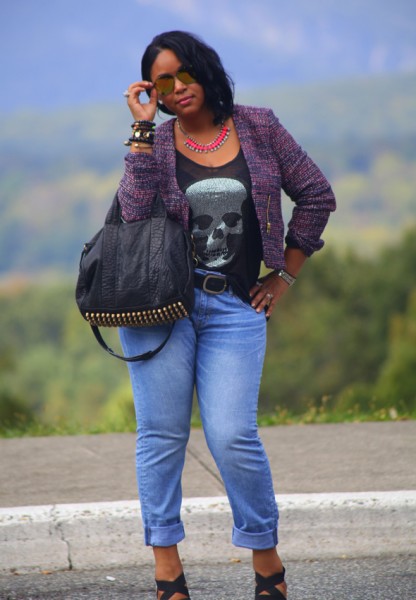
(187, 95)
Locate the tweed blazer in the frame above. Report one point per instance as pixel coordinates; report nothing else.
(275, 162)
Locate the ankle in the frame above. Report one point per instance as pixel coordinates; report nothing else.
(168, 565)
(267, 562)
(168, 572)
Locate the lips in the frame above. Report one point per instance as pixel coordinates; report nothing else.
(184, 101)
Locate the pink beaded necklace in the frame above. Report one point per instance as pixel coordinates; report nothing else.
(195, 146)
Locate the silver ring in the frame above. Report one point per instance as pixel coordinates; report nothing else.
(269, 296)
(126, 94)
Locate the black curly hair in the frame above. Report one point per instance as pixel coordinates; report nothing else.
(206, 66)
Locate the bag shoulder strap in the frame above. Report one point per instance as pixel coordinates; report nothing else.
(113, 217)
(144, 356)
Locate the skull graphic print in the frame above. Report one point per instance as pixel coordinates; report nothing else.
(217, 217)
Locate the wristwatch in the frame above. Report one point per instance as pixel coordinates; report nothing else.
(287, 277)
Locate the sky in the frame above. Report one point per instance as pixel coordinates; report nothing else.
(58, 53)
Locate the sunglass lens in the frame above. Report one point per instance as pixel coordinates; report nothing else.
(185, 76)
(164, 85)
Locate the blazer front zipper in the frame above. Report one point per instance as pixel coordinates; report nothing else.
(268, 224)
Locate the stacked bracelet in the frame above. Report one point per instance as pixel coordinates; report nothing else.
(143, 133)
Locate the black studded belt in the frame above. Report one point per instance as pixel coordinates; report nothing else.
(212, 284)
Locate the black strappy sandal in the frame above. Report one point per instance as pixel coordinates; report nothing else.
(170, 588)
(267, 584)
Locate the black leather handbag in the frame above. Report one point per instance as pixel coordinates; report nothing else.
(136, 274)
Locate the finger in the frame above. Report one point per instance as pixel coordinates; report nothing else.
(153, 97)
(253, 291)
(270, 308)
(257, 297)
(135, 89)
(142, 110)
(143, 85)
(261, 300)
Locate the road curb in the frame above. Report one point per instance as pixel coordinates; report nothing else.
(105, 534)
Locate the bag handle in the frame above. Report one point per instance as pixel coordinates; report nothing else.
(113, 217)
(144, 356)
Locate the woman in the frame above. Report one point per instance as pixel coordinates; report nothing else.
(219, 168)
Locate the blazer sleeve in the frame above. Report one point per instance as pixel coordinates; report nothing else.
(138, 185)
(307, 187)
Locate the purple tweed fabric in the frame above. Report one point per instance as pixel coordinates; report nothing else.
(275, 162)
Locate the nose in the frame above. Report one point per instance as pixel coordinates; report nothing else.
(179, 85)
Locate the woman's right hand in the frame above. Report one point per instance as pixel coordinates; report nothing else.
(142, 111)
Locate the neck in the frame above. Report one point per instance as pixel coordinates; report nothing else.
(203, 121)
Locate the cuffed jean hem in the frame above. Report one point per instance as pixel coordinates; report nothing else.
(255, 541)
(168, 535)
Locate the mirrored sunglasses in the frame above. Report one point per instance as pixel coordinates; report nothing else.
(166, 83)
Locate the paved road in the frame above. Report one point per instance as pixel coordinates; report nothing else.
(344, 457)
(344, 490)
(364, 579)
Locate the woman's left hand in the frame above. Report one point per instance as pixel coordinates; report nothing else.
(267, 292)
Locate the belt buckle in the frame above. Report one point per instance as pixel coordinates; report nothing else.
(205, 284)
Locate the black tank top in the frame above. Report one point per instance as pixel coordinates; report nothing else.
(223, 219)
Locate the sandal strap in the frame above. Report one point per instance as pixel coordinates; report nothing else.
(170, 588)
(267, 584)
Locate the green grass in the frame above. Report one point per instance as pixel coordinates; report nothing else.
(315, 415)
(312, 415)
(36, 429)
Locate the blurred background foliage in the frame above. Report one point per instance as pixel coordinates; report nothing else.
(53, 195)
(342, 344)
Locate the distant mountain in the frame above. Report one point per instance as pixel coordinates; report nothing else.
(363, 108)
(59, 169)
(60, 53)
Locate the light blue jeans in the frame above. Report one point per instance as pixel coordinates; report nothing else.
(220, 350)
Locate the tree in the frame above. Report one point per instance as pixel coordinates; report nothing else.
(396, 384)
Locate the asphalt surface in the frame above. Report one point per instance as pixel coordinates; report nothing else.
(356, 457)
(69, 516)
(364, 579)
